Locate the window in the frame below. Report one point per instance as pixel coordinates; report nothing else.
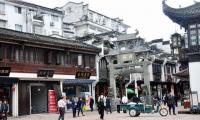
(90, 16)
(74, 59)
(79, 59)
(2, 24)
(2, 8)
(92, 62)
(18, 27)
(18, 10)
(193, 37)
(37, 30)
(54, 18)
(55, 33)
(192, 26)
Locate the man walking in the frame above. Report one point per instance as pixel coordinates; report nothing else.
(108, 105)
(5, 109)
(101, 101)
(171, 103)
(91, 103)
(61, 107)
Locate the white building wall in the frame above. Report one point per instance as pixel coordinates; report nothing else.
(194, 77)
(73, 12)
(13, 18)
(166, 48)
(26, 19)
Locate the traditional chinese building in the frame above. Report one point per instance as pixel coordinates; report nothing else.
(188, 18)
(31, 65)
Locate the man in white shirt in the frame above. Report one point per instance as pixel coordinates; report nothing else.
(124, 101)
(61, 107)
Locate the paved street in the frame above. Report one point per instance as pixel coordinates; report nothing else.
(113, 116)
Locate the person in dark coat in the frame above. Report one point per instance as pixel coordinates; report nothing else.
(5, 109)
(74, 106)
(101, 101)
(171, 103)
(79, 106)
(135, 99)
(91, 103)
(108, 105)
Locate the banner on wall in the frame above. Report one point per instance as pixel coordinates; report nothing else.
(52, 104)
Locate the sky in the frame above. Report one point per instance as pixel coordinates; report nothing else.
(144, 15)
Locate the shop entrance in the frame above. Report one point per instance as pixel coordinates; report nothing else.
(6, 94)
(38, 99)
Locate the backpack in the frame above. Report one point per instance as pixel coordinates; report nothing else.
(101, 102)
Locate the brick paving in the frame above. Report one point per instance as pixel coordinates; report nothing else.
(114, 116)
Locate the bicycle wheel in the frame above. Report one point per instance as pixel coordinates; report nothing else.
(163, 112)
(132, 112)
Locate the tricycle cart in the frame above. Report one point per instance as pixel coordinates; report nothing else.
(136, 108)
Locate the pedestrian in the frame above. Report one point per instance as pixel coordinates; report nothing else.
(91, 103)
(135, 99)
(5, 109)
(61, 107)
(171, 103)
(74, 106)
(80, 106)
(117, 102)
(108, 105)
(124, 101)
(101, 101)
(1, 110)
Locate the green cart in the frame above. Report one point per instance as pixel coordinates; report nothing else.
(136, 108)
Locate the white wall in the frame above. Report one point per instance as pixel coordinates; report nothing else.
(13, 18)
(73, 12)
(194, 77)
(26, 18)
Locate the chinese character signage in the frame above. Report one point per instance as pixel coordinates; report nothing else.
(45, 73)
(83, 75)
(5, 71)
(52, 104)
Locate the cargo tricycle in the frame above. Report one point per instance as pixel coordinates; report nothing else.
(136, 108)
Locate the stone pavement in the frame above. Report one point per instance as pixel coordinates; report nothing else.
(114, 116)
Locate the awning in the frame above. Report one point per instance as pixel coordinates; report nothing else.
(8, 80)
(78, 81)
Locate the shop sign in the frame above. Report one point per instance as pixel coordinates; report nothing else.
(83, 75)
(52, 104)
(5, 71)
(45, 73)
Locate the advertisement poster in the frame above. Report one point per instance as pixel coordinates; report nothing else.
(52, 104)
(86, 95)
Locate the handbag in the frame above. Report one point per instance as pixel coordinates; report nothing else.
(84, 107)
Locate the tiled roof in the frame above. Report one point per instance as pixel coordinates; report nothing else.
(20, 2)
(126, 37)
(46, 39)
(182, 15)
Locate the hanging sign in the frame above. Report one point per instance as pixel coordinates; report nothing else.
(5, 71)
(83, 75)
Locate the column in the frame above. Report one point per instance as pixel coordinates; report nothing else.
(15, 100)
(61, 86)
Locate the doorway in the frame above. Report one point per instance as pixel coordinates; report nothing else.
(38, 99)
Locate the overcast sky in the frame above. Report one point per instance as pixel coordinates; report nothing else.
(145, 15)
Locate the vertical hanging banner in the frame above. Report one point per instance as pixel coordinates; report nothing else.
(52, 104)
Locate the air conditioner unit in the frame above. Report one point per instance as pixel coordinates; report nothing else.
(52, 24)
